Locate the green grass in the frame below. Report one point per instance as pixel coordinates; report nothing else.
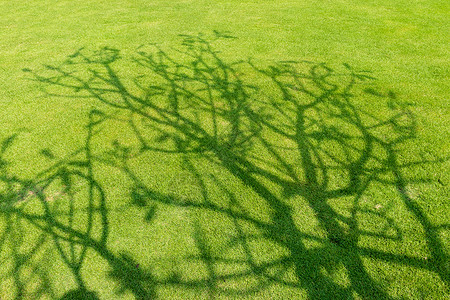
(262, 196)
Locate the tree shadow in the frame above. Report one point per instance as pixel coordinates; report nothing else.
(282, 157)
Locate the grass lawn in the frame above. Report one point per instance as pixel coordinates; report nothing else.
(224, 149)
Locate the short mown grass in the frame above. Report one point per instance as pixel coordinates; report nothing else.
(226, 149)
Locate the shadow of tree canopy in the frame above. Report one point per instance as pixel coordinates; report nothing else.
(280, 163)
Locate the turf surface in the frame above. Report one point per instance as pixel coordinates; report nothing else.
(306, 156)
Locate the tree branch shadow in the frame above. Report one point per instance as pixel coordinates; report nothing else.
(268, 151)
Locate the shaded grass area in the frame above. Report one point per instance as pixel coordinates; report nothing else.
(242, 178)
(225, 205)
